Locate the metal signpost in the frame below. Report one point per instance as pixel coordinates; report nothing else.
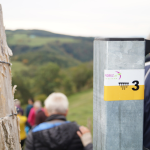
(118, 93)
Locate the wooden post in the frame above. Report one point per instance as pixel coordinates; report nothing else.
(9, 124)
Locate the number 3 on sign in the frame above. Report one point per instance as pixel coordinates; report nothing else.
(136, 84)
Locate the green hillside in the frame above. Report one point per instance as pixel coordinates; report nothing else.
(46, 62)
(39, 47)
(81, 107)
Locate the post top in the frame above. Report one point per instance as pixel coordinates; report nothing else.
(119, 39)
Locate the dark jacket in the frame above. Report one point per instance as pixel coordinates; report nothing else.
(55, 134)
(40, 117)
(28, 109)
(146, 135)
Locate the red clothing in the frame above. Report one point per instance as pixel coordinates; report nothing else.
(31, 117)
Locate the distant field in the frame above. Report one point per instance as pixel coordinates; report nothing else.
(39, 47)
(23, 39)
(81, 107)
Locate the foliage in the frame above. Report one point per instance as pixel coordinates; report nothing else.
(40, 58)
(67, 86)
(25, 42)
(81, 75)
(47, 79)
(23, 93)
(45, 62)
(39, 82)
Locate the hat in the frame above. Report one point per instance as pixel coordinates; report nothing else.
(18, 110)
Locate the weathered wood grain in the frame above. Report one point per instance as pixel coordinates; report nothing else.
(9, 126)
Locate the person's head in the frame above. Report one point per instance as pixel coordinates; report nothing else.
(30, 101)
(57, 103)
(19, 112)
(17, 103)
(37, 105)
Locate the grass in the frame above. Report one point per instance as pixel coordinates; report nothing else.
(18, 66)
(81, 108)
(23, 39)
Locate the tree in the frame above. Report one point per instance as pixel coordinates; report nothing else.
(82, 75)
(47, 79)
(23, 92)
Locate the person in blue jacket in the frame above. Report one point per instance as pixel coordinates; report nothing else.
(146, 134)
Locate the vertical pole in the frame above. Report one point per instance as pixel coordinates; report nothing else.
(9, 125)
(118, 102)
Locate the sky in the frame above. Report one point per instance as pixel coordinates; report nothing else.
(109, 18)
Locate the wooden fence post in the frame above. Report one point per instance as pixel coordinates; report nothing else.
(9, 124)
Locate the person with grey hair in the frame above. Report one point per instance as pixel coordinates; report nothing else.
(18, 106)
(57, 132)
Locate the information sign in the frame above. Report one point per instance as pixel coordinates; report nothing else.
(123, 85)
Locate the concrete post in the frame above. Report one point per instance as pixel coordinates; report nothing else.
(118, 120)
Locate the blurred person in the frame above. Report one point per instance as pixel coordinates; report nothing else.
(31, 117)
(18, 106)
(30, 106)
(56, 132)
(146, 133)
(22, 122)
(28, 109)
(39, 113)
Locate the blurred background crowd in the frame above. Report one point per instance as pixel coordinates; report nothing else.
(33, 115)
